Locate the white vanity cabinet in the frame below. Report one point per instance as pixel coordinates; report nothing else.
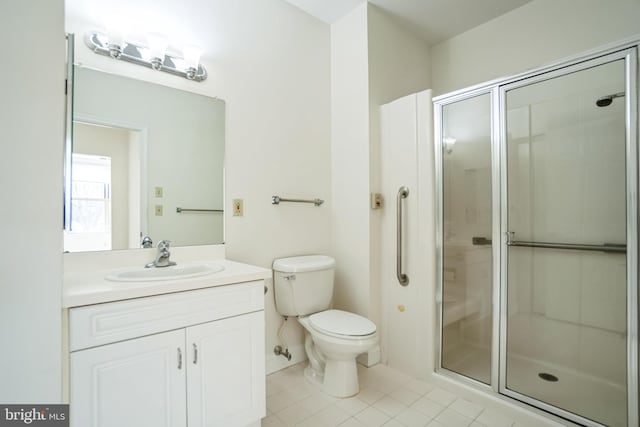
(185, 359)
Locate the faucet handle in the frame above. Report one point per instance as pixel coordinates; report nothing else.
(147, 242)
(164, 244)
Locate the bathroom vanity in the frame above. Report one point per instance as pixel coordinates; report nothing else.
(171, 352)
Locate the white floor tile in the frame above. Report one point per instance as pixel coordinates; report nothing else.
(413, 418)
(315, 403)
(494, 419)
(272, 421)
(442, 397)
(451, 418)
(352, 405)
(387, 398)
(333, 416)
(393, 423)
(293, 414)
(278, 402)
(352, 422)
(370, 395)
(419, 387)
(406, 396)
(428, 407)
(312, 421)
(371, 417)
(466, 408)
(389, 406)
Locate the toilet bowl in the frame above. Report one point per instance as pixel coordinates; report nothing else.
(334, 339)
(303, 287)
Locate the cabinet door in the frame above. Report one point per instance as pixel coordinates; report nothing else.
(136, 383)
(225, 373)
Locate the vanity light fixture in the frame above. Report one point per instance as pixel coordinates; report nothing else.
(154, 56)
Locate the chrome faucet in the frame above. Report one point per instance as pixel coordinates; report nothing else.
(147, 242)
(162, 258)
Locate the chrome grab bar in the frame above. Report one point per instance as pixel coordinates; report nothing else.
(403, 192)
(607, 247)
(275, 200)
(180, 210)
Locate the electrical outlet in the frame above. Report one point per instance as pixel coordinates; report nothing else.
(238, 209)
(158, 192)
(158, 210)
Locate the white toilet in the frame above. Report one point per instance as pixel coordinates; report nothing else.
(304, 288)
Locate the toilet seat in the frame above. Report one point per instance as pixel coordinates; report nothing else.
(342, 324)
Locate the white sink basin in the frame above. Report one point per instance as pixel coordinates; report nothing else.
(175, 272)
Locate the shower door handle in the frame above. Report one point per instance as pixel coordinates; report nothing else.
(403, 192)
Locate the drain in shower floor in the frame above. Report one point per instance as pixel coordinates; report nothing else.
(548, 377)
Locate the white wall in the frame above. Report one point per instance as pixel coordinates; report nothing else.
(533, 35)
(32, 120)
(408, 311)
(350, 160)
(399, 65)
(368, 70)
(270, 64)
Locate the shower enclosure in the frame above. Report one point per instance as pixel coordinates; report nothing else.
(537, 234)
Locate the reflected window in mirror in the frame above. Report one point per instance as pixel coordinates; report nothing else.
(91, 204)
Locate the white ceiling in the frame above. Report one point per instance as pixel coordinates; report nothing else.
(433, 20)
(202, 23)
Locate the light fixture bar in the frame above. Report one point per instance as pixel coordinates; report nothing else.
(133, 53)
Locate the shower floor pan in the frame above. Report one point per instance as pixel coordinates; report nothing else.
(589, 397)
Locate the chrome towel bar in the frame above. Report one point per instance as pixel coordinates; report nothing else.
(597, 248)
(275, 200)
(607, 247)
(180, 210)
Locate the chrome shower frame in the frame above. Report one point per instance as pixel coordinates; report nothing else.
(627, 51)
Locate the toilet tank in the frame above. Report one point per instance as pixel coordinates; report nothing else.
(303, 284)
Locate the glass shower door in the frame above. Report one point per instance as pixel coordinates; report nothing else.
(566, 223)
(466, 258)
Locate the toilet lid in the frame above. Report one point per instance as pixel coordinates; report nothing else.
(342, 323)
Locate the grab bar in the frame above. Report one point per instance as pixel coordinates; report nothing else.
(180, 210)
(607, 247)
(275, 200)
(403, 192)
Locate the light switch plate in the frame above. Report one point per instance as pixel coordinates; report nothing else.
(158, 192)
(238, 208)
(376, 201)
(158, 210)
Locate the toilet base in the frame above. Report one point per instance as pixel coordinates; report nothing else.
(313, 377)
(340, 378)
(332, 360)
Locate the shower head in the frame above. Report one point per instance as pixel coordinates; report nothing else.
(605, 101)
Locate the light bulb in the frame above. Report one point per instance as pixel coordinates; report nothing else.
(115, 41)
(191, 56)
(157, 49)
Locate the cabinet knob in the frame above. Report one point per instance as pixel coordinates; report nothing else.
(195, 353)
(179, 358)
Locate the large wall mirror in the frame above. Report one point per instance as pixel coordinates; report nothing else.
(147, 160)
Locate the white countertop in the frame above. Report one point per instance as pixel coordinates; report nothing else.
(91, 287)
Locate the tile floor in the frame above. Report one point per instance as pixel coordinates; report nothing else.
(387, 398)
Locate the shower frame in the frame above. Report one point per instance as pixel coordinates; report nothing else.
(497, 90)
